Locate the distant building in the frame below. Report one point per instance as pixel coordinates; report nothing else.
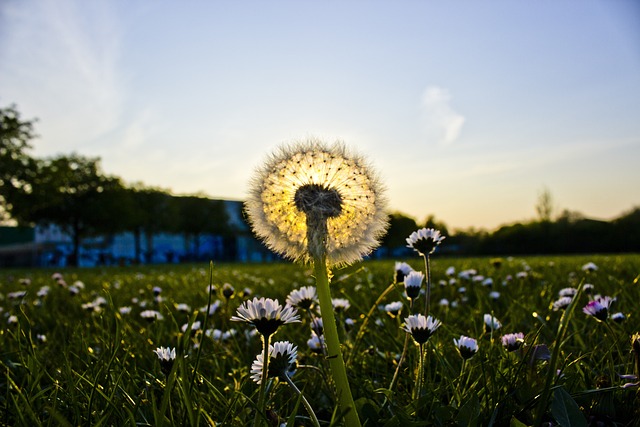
(44, 246)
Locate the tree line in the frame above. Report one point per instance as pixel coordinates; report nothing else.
(72, 192)
(569, 233)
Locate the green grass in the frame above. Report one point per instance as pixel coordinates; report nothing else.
(98, 367)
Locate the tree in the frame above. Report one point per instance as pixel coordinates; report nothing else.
(16, 166)
(431, 222)
(400, 227)
(544, 207)
(200, 215)
(73, 193)
(152, 211)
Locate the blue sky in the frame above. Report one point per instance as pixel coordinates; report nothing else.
(467, 109)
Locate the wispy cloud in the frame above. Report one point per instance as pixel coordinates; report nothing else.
(441, 122)
(60, 61)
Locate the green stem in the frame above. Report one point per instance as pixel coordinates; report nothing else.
(259, 418)
(551, 373)
(363, 327)
(400, 362)
(305, 402)
(204, 328)
(427, 268)
(404, 352)
(336, 362)
(417, 392)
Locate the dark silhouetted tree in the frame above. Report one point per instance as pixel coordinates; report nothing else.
(73, 193)
(17, 167)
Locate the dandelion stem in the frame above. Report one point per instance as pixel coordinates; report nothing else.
(336, 362)
(305, 402)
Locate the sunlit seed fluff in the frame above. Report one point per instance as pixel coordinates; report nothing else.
(328, 180)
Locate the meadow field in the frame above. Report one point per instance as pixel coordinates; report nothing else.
(80, 347)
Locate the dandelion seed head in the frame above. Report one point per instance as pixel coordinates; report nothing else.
(313, 180)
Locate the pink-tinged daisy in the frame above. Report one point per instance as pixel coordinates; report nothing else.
(562, 303)
(598, 308)
(467, 346)
(512, 342)
(425, 241)
(421, 327)
(567, 292)
(589, 267)
(265, 314)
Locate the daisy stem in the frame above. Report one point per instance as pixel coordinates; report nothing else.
(259, 418)
(615, 341)
(400, 362)
(427, 268)
(404, 353)
(336, 362)
(417, 391)
(551, 369)
(365, 322)
(462, 383)
(305, 402)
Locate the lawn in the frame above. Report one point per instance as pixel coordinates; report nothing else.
(79, 346)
